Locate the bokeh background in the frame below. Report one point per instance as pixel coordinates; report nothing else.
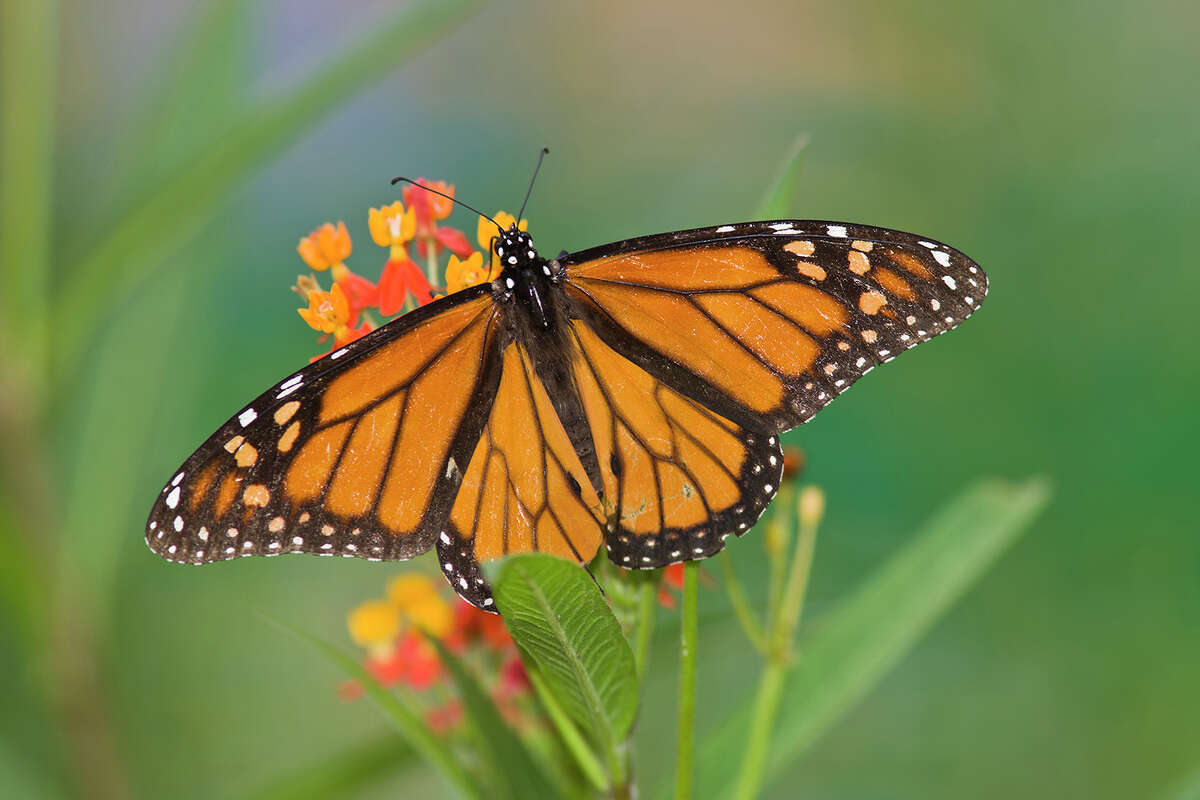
(1056, 143)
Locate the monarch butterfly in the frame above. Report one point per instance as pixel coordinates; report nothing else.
(630, 395)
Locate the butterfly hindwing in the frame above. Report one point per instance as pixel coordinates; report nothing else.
(524, 488)
(348, 456)
(767, 322)
(678, 476)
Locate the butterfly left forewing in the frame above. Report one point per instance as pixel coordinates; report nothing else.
(767, 322)
(346, 457)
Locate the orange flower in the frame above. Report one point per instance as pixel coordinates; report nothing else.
(419, 601)
(393, 226)
(373, 624)
(327, 312)
(326, 247)
(463, 274)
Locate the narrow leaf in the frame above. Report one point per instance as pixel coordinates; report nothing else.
(432, 749)
(189, 198)
(343, 773)
(515, 772)
(876, 626)
(780, 198)
(563, 626)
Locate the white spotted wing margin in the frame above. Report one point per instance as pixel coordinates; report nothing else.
(232, 497)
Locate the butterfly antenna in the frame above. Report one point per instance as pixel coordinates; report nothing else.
(448, 197)
(529, 191)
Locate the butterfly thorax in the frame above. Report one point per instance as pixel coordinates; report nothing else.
(526, 287)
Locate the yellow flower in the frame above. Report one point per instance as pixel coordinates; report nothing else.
(485, 232)
(418, 600)
(325, 247)
(461, 274)
(327, 312)
(393, 226)
(374, 624)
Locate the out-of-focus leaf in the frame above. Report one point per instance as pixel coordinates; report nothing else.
(562, 625)
(780, 198)
(186, 200)
(1186, 788)
(515, 772)
(848, 653)
(342, 773)
(414, 730)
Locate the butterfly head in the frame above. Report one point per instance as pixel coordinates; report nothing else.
(514, 248)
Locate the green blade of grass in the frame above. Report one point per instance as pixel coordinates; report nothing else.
(410, 725)
(187, 199)
(28, 72)
(872, 630)
(780, 197)
(343, 773)
(515, 772)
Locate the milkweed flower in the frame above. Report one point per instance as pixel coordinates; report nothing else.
(401, 279)
(672, 579)
(421, 604)
(329, 312)
(393, 226)
(326, 247)
(431, 209)
(373, 624)
(463, 274)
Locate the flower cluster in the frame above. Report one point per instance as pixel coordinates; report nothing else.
(397, 634)
(410, 229)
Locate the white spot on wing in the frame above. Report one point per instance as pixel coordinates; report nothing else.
(942, 257)
(725, 229)
(247, 416)
(173, 498)
(949, 281)
(836, 230)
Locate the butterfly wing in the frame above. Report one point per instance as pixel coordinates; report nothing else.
(353, 455)
(524, 489)
(678, 477)
(766, 322)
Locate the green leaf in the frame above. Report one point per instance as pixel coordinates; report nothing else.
(562, 625)
(410, 725)
(515, 772)
(876, 626)
(187, 199)
(780, 198)
(343, 773)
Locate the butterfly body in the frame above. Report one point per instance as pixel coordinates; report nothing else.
(628, 397)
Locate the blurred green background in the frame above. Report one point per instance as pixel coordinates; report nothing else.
(1056, 143)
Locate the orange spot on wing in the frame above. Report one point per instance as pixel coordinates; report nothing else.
(910, 263)
(894, 284)
(870, 302)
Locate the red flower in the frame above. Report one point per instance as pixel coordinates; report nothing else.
(453, 240)
(360, 294)
(443, 718)
(400, 279)
(471, 624)
(672, 579)
(513, 677)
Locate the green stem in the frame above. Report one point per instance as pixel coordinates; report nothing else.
(687, 681)
(647, 602)
(589, 765)
(741, 607)
(779, 659)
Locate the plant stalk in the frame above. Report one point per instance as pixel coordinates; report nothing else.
(689, 625)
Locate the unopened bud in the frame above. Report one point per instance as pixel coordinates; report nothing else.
(811, 506)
